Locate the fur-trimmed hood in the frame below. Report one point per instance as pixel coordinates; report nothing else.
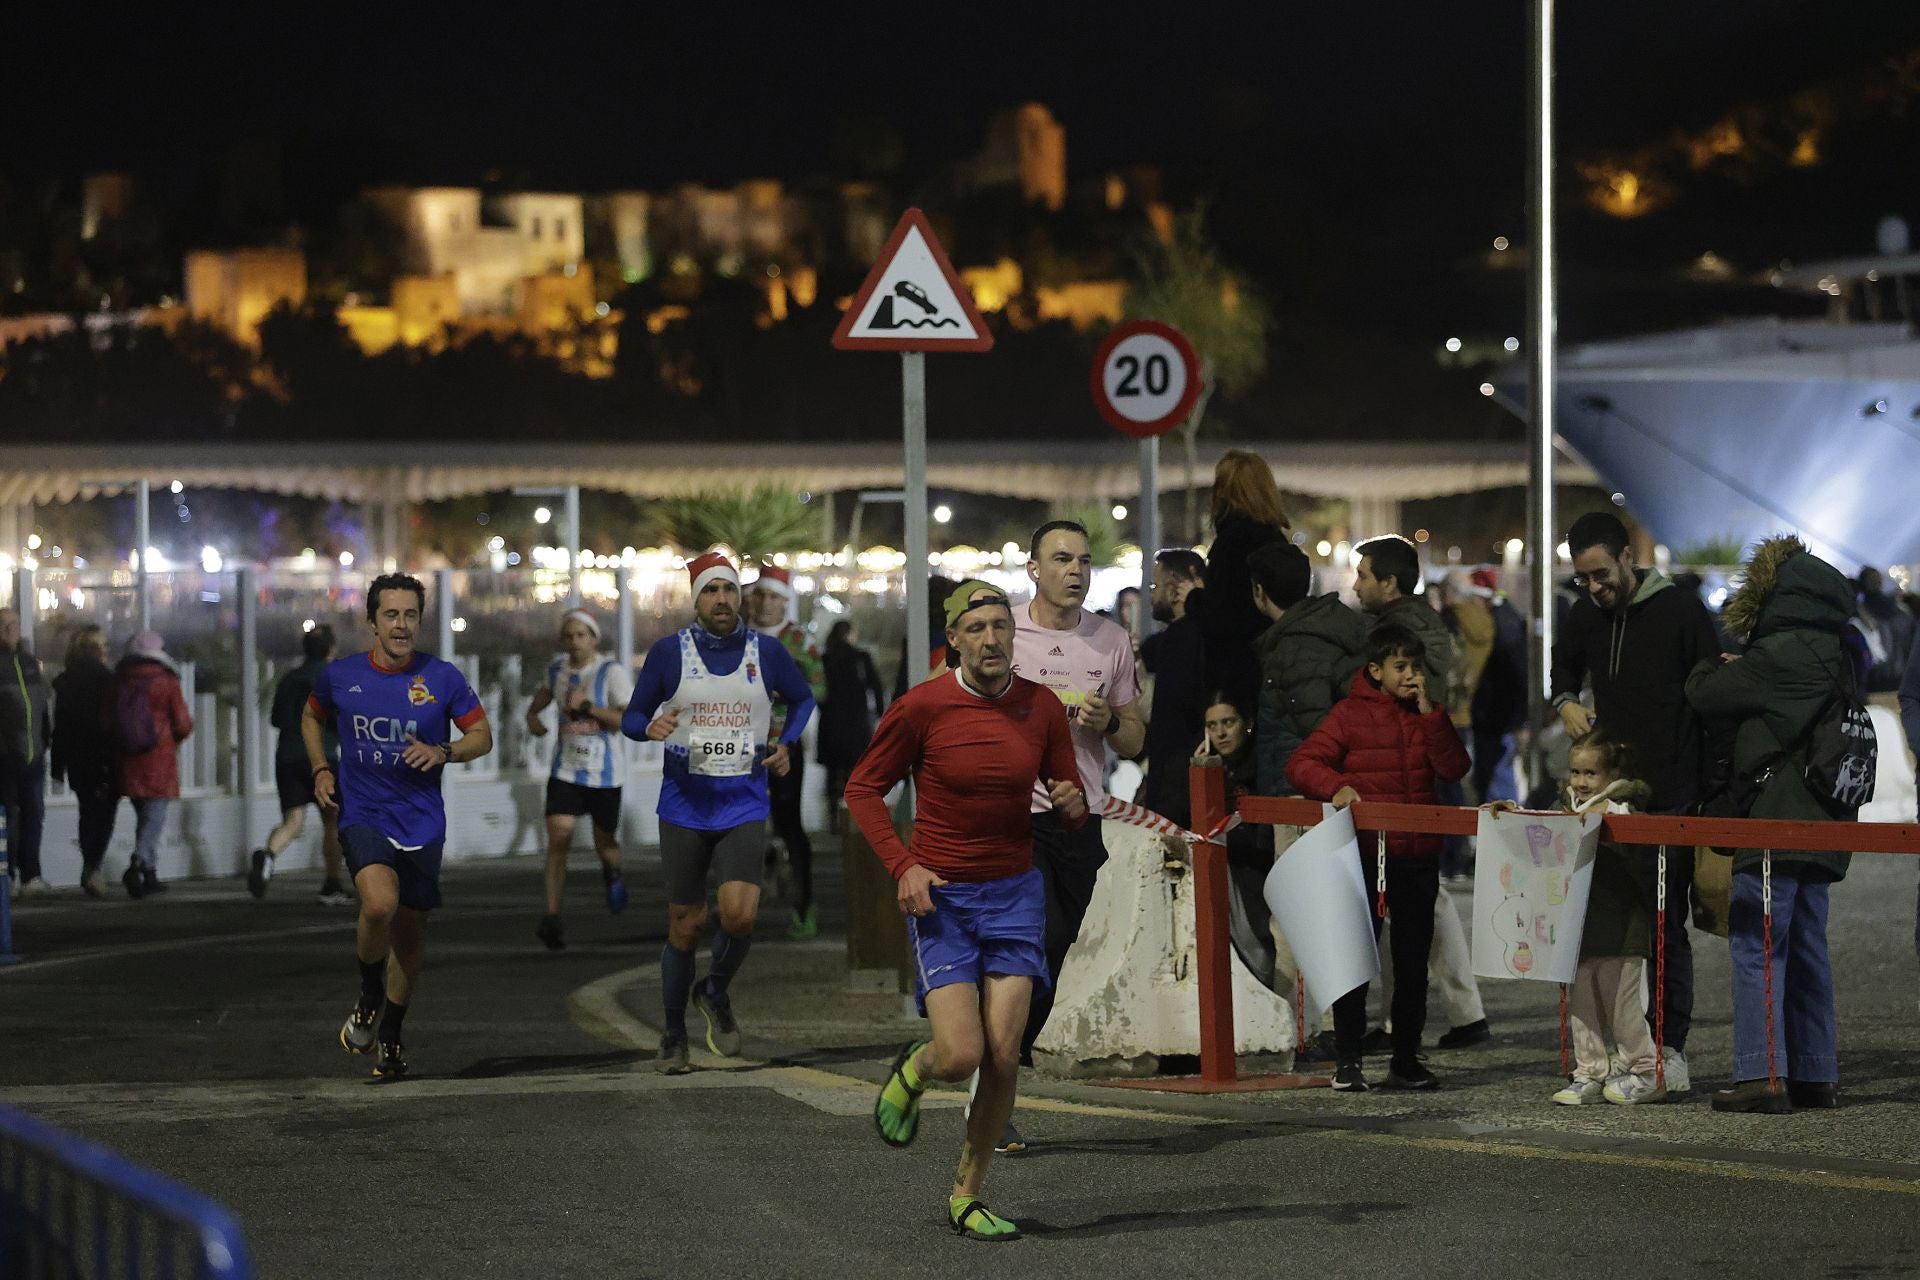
(1783, 586)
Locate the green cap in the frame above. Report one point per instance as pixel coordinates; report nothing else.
(963, 599)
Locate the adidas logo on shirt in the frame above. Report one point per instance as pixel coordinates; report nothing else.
(356, 689)
(1056, 652)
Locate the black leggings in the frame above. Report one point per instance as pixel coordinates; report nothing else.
(784, 794)
(1069, 863)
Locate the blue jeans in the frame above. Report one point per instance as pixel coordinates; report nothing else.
(1805, 1035)
(149, 820)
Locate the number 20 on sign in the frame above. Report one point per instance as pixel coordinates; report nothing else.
(1146, 378)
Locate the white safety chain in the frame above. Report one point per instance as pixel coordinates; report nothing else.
(1660, 884)
(1380, 872)
(1766, 882)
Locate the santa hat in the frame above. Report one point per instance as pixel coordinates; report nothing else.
(582, 617)
(776, 580)
(706, 568)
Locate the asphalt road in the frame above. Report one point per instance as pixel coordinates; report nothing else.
(196, 1034)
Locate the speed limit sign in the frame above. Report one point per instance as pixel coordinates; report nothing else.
(1145, 378)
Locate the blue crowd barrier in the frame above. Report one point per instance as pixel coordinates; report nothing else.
(74, 1210)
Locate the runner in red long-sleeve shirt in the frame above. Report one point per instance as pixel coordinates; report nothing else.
(974, 742)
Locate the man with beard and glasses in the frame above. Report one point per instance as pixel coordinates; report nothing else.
(1176, 657)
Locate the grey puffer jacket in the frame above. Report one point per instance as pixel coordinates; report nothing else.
(1307, 660)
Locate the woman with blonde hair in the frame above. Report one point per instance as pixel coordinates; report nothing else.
(83, 747)
(1247, 515)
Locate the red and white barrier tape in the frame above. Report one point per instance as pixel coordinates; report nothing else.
(1136, 816)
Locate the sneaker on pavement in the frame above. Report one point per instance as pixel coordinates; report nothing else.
(260, 873)
(1409, 1074)
(672, 1057)
(356, 1033)
(550, 933)
(1471, 1034)
(1349, 1078)
(392, 1062)
(1581, 1093)
(35, 888)
(1631, 1090)
(93, 884)
(135, 883)
(1679, 1082)
(1319, 1049)
(723, 1033)
(616, 894)
(150, 881)
(805, 925)
(334, 894)
(1378, 1040)
(1011, 1143)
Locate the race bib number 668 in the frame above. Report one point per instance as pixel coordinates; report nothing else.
(720, 753)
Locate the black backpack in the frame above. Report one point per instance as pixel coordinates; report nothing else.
(1842, 753)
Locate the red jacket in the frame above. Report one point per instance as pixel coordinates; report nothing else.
(155, 774)
(1386, 751)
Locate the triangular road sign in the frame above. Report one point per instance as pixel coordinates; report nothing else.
(912, 300)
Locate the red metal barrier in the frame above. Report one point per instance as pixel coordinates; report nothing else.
(1207, 790)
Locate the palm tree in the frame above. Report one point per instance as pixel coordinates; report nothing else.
(755, 521)
(1182, 282)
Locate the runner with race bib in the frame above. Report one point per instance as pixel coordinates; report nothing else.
(589, 761)
(707, 692)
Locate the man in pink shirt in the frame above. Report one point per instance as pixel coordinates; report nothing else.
(1088, 662)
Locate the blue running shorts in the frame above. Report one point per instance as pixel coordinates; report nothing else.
(418, 869)
(980, 928)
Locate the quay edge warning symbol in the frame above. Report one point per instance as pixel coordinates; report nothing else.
(912, 300)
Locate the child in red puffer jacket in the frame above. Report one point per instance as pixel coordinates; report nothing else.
(1387, 742)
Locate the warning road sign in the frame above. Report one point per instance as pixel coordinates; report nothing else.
(912, 300)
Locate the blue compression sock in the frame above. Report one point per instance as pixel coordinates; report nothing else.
(676, 983)
(729, 949)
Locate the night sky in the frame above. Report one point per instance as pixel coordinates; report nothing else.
(1345, 152)
(1377, 94)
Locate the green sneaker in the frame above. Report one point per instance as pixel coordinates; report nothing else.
(805, 925)
(970, 1217)
(896, 1113)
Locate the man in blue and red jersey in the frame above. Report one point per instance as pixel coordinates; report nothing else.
(975, 741)
(707, 693)
(394, 710)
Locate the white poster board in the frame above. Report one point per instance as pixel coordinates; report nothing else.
(1531, 879)
(1319, 898)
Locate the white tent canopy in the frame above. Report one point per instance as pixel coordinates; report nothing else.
(427, 471)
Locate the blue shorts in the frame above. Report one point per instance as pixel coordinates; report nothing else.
(991, 926)
(418, 869)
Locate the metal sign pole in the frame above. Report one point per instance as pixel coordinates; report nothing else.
(913, 421)
(1149, 523)
(247, 758)
(1541, 539)
(142, 535)
(573, 546)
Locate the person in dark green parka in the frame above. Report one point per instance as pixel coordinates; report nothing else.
(1790, 609)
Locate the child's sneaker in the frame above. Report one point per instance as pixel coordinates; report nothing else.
(1410, 1073)
(1581, 1093)
(1679, 1080)
(1349, 1078)
(1628, 1091)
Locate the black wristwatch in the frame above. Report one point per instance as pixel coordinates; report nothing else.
(1113, 724)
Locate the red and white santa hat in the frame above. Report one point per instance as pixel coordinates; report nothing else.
(777, 580)
(705, 568)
